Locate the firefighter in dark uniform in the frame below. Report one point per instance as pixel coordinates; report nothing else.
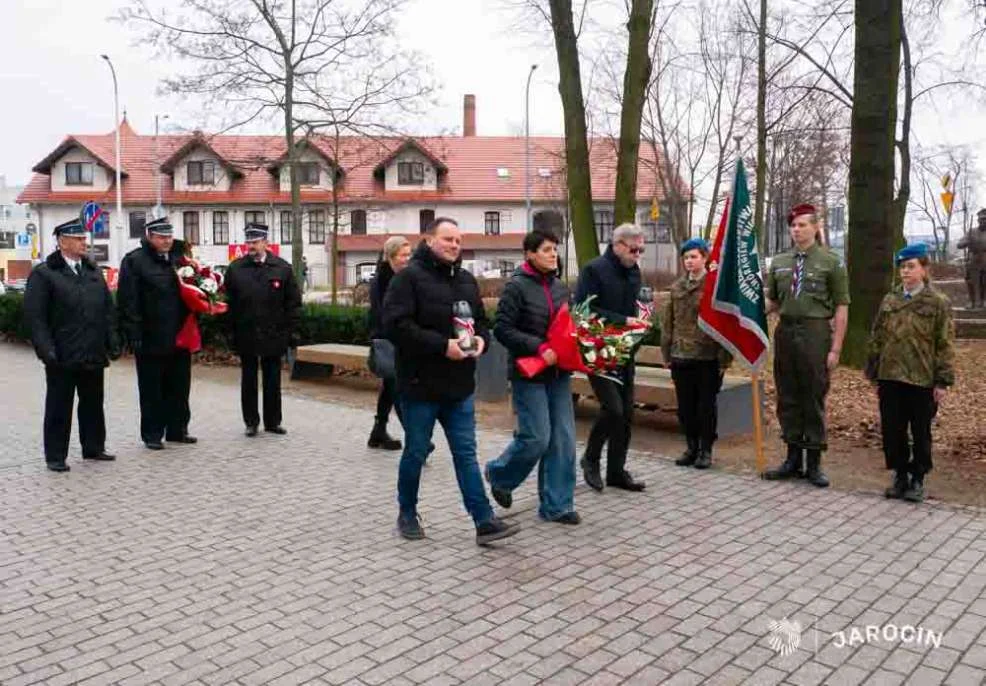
(151, 314)
(911, 361)
(73, 328)
(265, 309)
(697, 361)
(810, 289)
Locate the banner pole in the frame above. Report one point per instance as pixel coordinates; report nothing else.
(757, 423)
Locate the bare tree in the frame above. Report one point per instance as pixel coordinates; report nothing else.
(311, 63)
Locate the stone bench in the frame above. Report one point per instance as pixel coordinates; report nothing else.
(653, 387)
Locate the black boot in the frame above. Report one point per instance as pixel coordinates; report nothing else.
(704, 460)
(688, 457)
(915, 494)
(899, 486)
(380, 439)
(791, 469)
(815, 476)
(590, 472)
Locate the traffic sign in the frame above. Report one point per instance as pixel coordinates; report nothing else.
(23, 240)
(93, 217)
(31, 228)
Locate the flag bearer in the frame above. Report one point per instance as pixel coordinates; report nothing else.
(910, 362)
(809, 287)
(697, 361)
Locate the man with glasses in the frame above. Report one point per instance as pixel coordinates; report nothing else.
(614, 281)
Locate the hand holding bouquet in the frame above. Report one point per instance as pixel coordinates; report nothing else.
(200, 287)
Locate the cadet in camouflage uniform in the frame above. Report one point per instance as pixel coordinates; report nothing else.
(697, 361)
(910, 360)
(809, 287)
(975, 270)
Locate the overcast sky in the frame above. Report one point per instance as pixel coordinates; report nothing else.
(53, 82)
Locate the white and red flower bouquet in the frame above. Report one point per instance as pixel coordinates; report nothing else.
(201, 288)
(585, 342)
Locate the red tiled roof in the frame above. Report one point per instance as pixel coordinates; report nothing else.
(96, 148)
(472, 162)
(197, 141)
(470, 241)
(409, 144)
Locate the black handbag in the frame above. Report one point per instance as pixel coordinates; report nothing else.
(381, 360)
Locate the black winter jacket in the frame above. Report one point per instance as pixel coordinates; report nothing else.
(529, 302)
(616, 287)
(71, 317)
(378, 289)
(150, 308)
(264, 305)
(417, 317)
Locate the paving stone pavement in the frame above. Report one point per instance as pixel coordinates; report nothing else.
(274, 560)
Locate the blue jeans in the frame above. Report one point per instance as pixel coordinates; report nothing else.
(458, 419)
(545, 436)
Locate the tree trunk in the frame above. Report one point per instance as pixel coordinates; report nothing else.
(297, 247)
(871, 168)
(904, 144)
(761, 127)
(334, 251)
(576, 138)
(635, 81)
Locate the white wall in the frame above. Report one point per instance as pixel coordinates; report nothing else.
(391, 177)
(101, 177)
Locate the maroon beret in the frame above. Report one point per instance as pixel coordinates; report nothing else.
(799, 210)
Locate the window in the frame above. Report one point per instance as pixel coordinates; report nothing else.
(425, 218)
(201, 173)
(492, 223)
(78, 173)
(254, 217)
(308, 173)
(220, 227)
(137, 222)
(190, 226)
(507, 268)
(286, 227)
(316, 227)
(357, 222)
(410, 173)
(604, 225)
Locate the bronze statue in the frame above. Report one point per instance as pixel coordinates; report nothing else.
(975, 269)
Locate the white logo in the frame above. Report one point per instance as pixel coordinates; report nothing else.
(785, 636)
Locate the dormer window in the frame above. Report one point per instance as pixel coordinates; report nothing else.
(201, 173)
(78, 173)
(308, 173)
(411, 173)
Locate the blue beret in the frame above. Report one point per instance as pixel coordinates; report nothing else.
(73, 227)
(694, 244)
(255, 231)
(161, 226)
(912, 251)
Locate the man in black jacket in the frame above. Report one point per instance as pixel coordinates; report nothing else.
(151, 315)
(435, 376)
(73, 328)
(614, 280)
(265, 308)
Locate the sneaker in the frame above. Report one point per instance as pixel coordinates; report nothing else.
(494, 530)
(409, 527)
(572, 518)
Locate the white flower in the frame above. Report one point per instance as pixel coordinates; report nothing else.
(209, 286)
(186, 272)
(590, 356)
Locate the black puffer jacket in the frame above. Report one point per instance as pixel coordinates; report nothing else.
(378, 289)
(264, 305)
(71, 317)
(417, 317)
(529, 302)
(150, 307)
(616, 287)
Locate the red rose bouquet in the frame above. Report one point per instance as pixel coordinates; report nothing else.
(200, 287)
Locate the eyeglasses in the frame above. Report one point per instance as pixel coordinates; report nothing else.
(633, 249)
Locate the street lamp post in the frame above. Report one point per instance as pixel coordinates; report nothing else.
(527, 146)
(116, 241)
(158, 209)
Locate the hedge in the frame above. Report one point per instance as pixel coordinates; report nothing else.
(320, 323)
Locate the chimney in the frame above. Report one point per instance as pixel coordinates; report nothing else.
(469, 116)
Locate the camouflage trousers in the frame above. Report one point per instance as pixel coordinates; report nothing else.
(801, 376)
